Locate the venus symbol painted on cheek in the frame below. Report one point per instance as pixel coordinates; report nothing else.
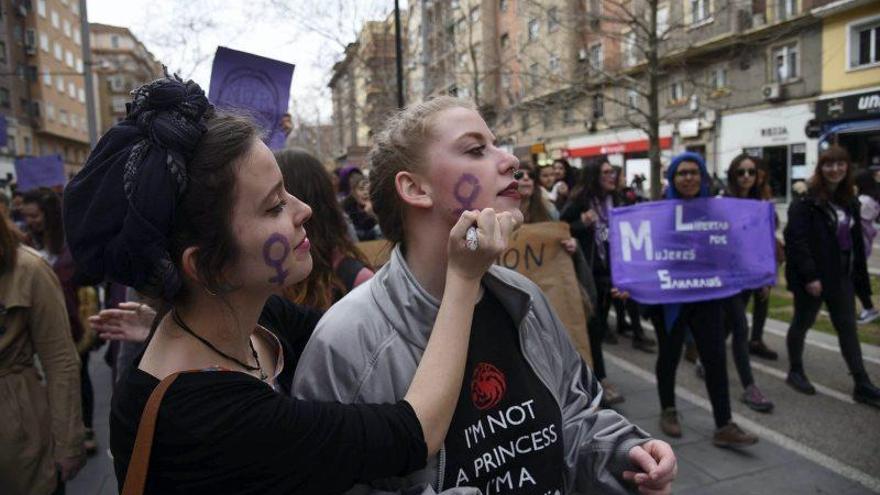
(277, 261)
(466, 191)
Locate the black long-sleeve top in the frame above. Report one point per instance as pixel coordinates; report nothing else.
(228, 432)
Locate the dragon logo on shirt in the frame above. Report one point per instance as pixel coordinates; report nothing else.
(487, 386)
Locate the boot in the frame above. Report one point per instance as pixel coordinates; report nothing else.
(866, 392)
(798, 381)
(669, 422)
(731, 435)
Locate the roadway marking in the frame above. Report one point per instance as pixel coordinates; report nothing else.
(815, 343)
(783, 441)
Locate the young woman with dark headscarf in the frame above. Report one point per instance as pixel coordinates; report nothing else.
(688, 179)
(825, 259)
(186, 203)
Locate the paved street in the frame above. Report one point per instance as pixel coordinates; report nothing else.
(821, 444)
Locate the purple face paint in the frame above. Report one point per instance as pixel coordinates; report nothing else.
(466, 191)
(277, 262)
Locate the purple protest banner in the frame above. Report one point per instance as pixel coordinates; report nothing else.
(677, 251)
(41, 171)
(260, 86)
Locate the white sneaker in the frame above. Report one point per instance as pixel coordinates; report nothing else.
(868, 315)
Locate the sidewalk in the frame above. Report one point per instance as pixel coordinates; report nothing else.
(766, 468)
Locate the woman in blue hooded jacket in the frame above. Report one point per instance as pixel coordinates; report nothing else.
(688, 179)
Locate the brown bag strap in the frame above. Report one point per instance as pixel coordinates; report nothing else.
(136, 476)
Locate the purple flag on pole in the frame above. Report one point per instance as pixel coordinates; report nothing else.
(41, 171)
(677, 251)
(258, 85)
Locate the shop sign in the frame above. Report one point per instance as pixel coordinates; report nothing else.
(852, 107)
(626, 147)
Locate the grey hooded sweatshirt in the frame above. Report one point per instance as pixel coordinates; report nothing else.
(367, 347)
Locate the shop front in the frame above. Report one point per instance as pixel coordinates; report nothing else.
(625, 148)
(852, 121)
(777, 136)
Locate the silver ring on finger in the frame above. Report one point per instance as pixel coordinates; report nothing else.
(471, 240)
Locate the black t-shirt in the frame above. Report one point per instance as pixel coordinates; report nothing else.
(293, 324)
(228, 432)
(506, 433)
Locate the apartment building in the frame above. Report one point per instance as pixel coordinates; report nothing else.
(55, 70)
(122, 64)
(15, 103)
(364, 92)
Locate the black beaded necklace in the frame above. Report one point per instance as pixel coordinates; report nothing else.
(177, 319)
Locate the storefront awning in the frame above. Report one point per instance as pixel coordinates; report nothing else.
(847, 127)
(618, 147)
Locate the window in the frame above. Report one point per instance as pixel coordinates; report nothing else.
(567, 116)
(505, 40)
(555, 66)
(676, 91)
(700, 10)
(67, 30)
(534, 29)
(74, 7)
(525, 121)
(547, 118)
(630, 49)
(5, 102)
(32, 74)
(82, 95)
(71, 90)
(502, 5)
(41, 8)
(50, 111)
(59, 84)
(77, 38)
(116, 83)
(62, 116)
(68, 58)
(44, 42)
(785, 63)
(2, 52)
(632, 99)
(864, 44)
(59, 53)
(114, 41)
(16, 33)
(119, 104)
(662, 21)
(10, 144)
(505, 81)
(596, 7)
(56, 21)
(47, 78)
(596, 58)
(718, 78)
(28, 146)
(785, 9)
(475, 14)
(552, 19)
(31, 41)
(79, 65)
(534, 75)
(598, 106)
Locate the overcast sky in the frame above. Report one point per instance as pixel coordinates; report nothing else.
(184, 34)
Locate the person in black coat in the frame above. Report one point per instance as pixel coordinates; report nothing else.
(825, 263)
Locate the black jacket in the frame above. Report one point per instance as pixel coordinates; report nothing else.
(586, 234)
(811, 248)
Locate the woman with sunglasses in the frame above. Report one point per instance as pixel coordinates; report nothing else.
(825, 262)
(745, 182)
